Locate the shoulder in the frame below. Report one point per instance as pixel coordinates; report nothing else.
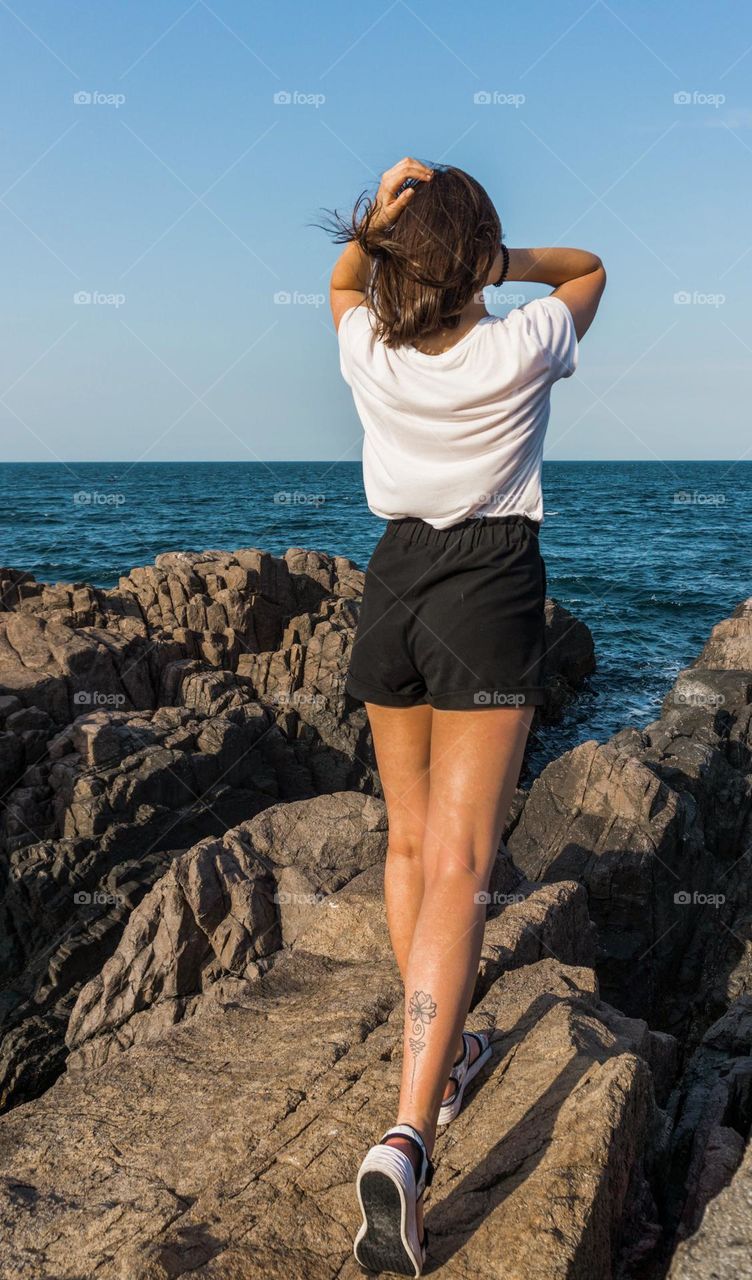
(546, 326)
(355, 320)
(544, 315)
(356, 340)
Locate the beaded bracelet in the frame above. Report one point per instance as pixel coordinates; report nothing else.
(505, 272)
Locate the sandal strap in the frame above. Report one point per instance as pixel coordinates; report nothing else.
(460, 1069)
(425, 1176)
(480, 1039)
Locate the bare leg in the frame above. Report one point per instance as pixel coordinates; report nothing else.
(474, 759)
(475, 763)
(402, 742)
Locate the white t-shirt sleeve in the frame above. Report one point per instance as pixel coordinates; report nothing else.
(549, 322)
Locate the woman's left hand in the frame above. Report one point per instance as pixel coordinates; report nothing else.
(388, 204)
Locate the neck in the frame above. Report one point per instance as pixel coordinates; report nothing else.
(470, 315)
(444, 339)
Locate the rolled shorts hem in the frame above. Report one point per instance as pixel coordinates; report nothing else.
(487, 700)
(459, 700)
(383, 697)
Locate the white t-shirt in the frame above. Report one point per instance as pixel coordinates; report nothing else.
(459, 433)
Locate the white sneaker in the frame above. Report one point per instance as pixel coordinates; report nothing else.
(388, 1192)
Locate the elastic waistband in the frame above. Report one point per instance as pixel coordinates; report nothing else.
(417, 530)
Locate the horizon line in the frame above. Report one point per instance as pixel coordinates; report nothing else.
(339, 462)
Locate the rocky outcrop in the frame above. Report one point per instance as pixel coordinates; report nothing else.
(117, 795)
(239, 1158)
(711, 1117)
(223, 909)
(234, 1033)
(279, 629)
(300, 876)
(284, 624)
(253, 1009)
(722, 1247)
(657, 824)
(136, 721)
(128, 733)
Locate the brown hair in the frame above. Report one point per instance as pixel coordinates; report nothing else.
(426, 265)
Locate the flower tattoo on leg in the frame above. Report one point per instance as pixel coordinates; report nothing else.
(421, 1010)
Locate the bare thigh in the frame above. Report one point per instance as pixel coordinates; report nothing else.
(475, 764)
(402, 743)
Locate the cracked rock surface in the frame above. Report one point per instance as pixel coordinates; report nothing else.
(136, 721)
(202, 1016)
(657, 824)
(252, 1118)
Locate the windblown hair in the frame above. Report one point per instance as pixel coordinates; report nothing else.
(428, 264)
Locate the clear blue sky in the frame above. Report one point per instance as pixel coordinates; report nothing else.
(191, 199)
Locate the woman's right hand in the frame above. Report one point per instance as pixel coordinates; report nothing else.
(388, 204)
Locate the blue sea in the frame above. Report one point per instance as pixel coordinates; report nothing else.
(649, 554)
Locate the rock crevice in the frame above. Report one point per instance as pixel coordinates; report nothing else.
(201, 1014)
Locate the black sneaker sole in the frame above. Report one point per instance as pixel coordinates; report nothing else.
(382, 1247)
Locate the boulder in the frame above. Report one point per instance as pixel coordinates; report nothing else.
(730, 645)
(721, 1248)
(129, 731)
(570, 660)
(220, 912)
(600, 816)
(302, 876)
(655, 824)
(711, 1115)
(252, 1119)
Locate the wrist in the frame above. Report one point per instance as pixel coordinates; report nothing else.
(505, 260)
(521, 265)
(552, 266)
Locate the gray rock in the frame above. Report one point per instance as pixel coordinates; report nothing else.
(721, 1248)
(711, 1113)
(252, 1119)
(95, 769)
(221, 910)
(656, 825)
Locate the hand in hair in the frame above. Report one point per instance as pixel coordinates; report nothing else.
(389, 204)
(415, 274)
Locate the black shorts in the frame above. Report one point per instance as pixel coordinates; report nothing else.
(452, 617)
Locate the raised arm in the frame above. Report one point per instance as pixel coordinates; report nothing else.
(350, 275)
(579, 278)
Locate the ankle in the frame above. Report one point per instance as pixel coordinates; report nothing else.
(427, 1130)
(407, 1148)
